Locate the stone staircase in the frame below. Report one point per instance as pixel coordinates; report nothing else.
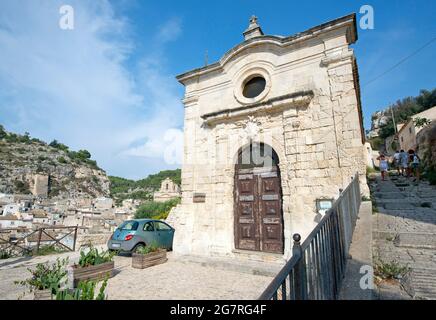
(404, 230)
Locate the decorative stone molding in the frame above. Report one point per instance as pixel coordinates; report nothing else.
(297, 99)
(338, 57)
(188, 101)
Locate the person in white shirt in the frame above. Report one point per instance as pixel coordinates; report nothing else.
(383, 166)
(397, 163)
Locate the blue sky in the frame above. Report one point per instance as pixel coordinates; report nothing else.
(108, 85)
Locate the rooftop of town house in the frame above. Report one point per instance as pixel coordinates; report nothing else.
(9, 217)
(38, 213)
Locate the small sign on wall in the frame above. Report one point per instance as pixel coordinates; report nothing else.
(199, 197)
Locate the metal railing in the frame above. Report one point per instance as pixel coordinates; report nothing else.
(317, 266)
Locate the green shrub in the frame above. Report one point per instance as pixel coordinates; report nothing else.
(156, 210)
(47, 250)
(431, 177)
(5, 254)
(94, 257)
(376, 143)
(153, 247)
(62, 160)
(3, 133)
(390, 270)
(370, 170)
(46, 276)
(22, 187)
(84, 291)
(57, 145)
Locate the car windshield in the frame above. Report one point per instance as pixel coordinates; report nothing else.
(129, 225)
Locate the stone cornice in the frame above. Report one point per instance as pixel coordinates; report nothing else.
(301, 98)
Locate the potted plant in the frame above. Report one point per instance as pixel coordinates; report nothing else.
(93, 265)
(46, 279)
(147, 256)
(84, 291)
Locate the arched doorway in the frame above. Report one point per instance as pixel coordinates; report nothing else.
(258, 210)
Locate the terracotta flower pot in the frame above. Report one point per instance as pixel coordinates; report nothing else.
(141, 261)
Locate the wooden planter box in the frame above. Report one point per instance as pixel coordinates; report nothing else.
(97, 272)
(142, 261)
(42, 294)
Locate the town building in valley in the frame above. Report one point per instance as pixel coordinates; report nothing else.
(168, 190)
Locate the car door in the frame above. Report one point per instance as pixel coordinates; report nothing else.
(164, 234)
(149, 233)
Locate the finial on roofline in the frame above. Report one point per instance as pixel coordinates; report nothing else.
(253, 30)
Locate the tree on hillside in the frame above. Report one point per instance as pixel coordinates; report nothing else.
(3, 133)
(404, 108)
(58, 145)
(421, 122)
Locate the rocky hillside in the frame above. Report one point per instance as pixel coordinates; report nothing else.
(403, 109)
(71, 173)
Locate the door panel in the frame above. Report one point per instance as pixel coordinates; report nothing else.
(246, 216)
(164, 234)
(258, 216)
(271, 218)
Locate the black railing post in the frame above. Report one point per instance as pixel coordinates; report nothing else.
(299, 276)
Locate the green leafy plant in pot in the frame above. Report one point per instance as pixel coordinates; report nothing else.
(147, 256)
(93, 265)
(46, 279)
(84, 291)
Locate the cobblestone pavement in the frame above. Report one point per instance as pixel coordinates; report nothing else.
(178, 278)
(404, 230)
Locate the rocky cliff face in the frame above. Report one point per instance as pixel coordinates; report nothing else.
(68, 177)
(378, 120)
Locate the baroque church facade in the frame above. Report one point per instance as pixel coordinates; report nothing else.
(270, 129)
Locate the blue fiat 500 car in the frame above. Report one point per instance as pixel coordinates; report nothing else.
(132, 234)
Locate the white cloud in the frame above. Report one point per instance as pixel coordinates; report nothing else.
(170, 30)
(73, 85)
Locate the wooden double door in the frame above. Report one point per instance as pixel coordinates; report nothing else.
(258, 210)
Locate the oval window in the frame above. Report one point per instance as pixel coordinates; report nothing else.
(254, 87)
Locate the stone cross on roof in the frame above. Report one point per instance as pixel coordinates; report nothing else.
(253, 29)
(253, 20)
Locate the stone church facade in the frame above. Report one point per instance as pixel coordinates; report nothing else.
(168, 190)
(293, 102)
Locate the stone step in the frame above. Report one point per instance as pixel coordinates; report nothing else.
(416, 240)
(389, 195)
(397, 205)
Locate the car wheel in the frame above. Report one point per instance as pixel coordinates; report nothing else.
(137, 247)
